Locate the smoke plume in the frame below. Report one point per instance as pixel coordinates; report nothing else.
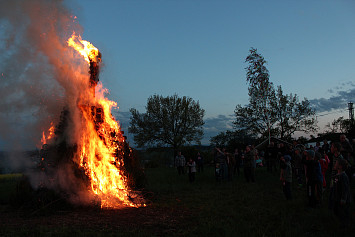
(38, 71)
(39, 75)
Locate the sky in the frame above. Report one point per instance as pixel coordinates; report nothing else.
(197, 48)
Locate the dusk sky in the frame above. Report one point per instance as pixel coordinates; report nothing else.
(197, 48)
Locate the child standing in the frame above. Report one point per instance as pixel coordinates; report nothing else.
(191, 165)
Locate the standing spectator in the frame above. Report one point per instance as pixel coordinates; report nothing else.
(336, 156)
(231, 165)
(310, 169)
(254, 152)
(316, 148)
(271, 154)
(237, 158)
(324, 162)
(242, 153)
(326, 147)
(341, 193)
(273, 160)
(248, 165)
(180, 163)
(298, 166)
(199, 162)
(346, 147)
(191, 166)
(260, 159)
(318, 178)
(221, 159)
(286, 175)
(346, 152)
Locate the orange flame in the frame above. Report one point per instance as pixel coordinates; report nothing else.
(85, 48)
(49, 136)
(101, 140)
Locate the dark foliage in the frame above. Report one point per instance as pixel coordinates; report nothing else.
(172, 121)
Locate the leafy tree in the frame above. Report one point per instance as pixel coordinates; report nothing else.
(232, 139)
(271, 111)
(302, 140)
(171, 120)
(341, 125)
(334, 126)
(220, 140)
(256, 117)
(292, 115)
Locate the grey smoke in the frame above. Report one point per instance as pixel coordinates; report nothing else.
(39, 75)
(34, 70)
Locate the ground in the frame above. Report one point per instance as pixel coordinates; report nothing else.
(179, 208)
(160, 221)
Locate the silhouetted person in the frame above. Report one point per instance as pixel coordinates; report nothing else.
(191, 169)
(237, 158)
(199, 162)
(248, 165)
(180, 163)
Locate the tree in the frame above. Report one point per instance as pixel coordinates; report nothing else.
(269, 111)
(232, 139)
(292, 115)
(168, 120)
(341, 125)
(256, 117)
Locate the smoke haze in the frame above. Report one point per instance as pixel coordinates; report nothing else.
(39, 76)
(37, 71)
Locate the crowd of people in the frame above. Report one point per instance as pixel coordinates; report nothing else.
(181, 164)
(316, 168)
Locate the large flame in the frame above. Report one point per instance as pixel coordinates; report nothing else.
(101, 139)
(97, 156)
(85, 48)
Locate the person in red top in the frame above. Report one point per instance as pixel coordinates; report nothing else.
(324, 162)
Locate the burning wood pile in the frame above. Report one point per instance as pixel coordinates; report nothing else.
(93, 161)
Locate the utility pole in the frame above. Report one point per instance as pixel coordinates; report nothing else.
(351, 111)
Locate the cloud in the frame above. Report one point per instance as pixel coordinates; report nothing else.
(214, 125)
(343, 94)
(331, 91)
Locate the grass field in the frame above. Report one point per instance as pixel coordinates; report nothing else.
(8, 186)
(180, 208)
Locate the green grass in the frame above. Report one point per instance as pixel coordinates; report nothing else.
(8, 184)
(249, 209)
(210, 208)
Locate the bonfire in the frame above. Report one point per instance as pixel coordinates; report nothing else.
(92, 160)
